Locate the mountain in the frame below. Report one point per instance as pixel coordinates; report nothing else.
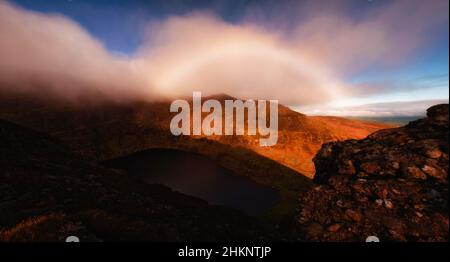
(49, 193)
(392, 184)
(108, 130)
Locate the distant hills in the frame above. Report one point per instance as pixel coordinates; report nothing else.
(392, 120)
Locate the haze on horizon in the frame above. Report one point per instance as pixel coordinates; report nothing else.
(350, 58)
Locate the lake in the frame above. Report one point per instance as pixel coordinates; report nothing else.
(199, 176)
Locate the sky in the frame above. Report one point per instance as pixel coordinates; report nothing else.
(355, 57)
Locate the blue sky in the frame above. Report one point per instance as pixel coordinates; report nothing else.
(119, 24)
(121, 27)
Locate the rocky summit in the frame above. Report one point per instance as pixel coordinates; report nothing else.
(392, 184)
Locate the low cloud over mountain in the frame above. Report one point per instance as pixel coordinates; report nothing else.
(305, 63)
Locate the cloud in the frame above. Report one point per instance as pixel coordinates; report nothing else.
(52, 55)
(201, 52)
(305, 64)
(387, 35)
(391, 109)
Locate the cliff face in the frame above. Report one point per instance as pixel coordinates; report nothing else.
(393, 184)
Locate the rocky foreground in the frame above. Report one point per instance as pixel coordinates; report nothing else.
(393, 185)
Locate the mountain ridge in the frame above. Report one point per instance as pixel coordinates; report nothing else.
(88, 131)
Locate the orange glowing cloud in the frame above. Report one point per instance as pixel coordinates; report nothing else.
(201, 52)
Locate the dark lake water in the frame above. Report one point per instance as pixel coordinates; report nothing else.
(199, 176)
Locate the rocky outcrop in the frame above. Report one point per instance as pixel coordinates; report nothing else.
(393, 184)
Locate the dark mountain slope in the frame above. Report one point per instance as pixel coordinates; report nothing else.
(48, 193)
